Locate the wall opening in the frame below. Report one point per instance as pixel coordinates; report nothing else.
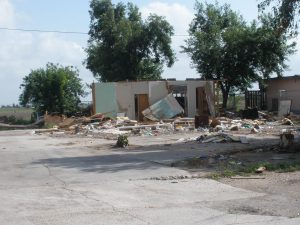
(179, 93)
(274, 104)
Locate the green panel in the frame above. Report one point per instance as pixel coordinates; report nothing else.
(106, 99)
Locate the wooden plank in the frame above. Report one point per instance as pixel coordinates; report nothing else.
(143, 103)
(201, 101)
(209, 94)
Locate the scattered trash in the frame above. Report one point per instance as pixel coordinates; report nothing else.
(254, 131)
(219, 128)
(260, 169)
(234, 128)
(287, 121)
(256, 126)
(234, 163)
(220, 137)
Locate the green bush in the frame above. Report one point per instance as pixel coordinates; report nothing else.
(122, 141)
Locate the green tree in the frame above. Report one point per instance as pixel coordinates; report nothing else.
(53, 89)
(123, 46)
(286, 13)
(224, 47)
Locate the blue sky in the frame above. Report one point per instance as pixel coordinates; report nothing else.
(20, 52)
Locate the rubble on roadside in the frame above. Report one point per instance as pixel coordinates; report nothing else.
(220, 129)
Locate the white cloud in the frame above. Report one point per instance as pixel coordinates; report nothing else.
(293, 62)
(7, 13)
(179, 17)
(21, 52)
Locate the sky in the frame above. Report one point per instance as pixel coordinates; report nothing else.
(21, 52)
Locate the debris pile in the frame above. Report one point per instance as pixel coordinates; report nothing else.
(101, 126)
(248, 126)
(220, 129)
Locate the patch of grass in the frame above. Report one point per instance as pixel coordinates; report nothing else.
(228, 173)
(284, 167)
(276, 167)
(214, 176)
(222, 174)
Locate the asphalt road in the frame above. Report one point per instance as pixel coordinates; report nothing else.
(83, 181)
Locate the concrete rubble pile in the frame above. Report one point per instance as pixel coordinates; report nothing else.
(106, 127)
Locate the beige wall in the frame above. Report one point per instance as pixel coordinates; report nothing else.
(125, 96)
(157, 91)
(126, 91)
(292, 92)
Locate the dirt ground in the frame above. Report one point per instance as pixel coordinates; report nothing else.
(282, 195)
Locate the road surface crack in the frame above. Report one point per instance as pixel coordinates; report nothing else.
(55, 177)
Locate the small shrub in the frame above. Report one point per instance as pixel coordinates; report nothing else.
(49, 125)
(122, 141)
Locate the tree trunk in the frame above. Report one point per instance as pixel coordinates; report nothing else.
(225, 99)
(225, 92)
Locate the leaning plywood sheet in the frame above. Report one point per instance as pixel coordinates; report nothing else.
(209, 91)
(165, 108)
(284, 107)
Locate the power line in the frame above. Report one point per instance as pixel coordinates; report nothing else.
(43, 31)
(62, 32)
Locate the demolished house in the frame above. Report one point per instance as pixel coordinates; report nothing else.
(154, 100)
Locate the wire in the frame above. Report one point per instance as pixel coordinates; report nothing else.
(63, 32)
(43, 31)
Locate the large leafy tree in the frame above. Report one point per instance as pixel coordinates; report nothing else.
(224, 47)
(53, 89)
(286, 13)
(123, 46)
